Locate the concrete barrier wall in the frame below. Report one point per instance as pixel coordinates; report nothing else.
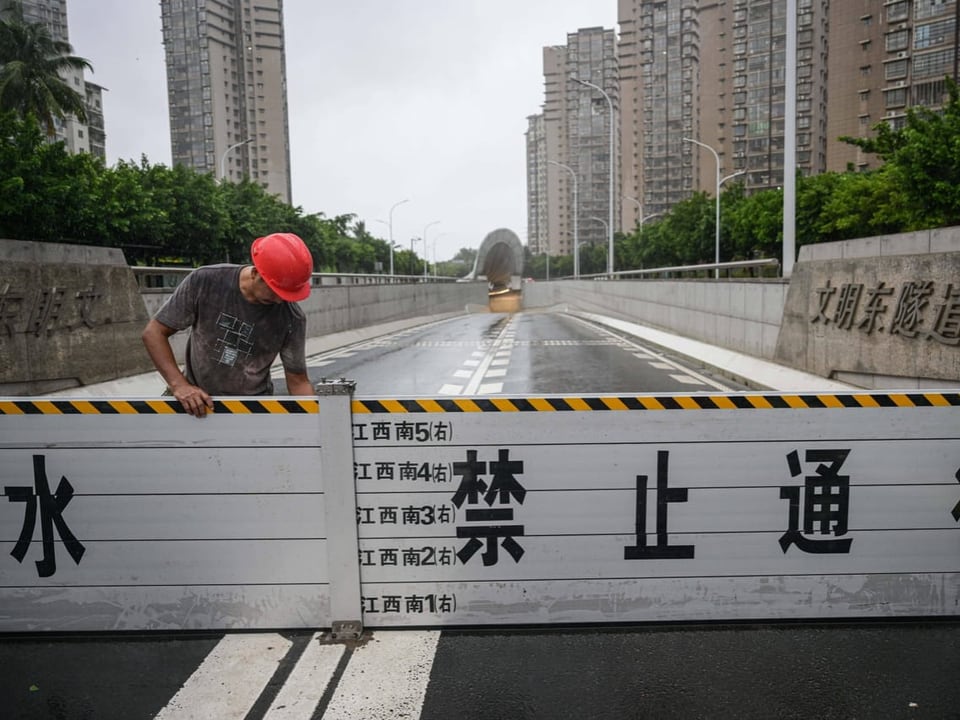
(739, 315)
(69, 315)
(880, 312)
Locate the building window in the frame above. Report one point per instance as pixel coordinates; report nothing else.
(895, 98)
(895, 70)
(937, 33)
(898, 12)
(930, 8)
(897, 40)
(933, 64)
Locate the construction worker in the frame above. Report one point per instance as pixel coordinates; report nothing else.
(241, 318)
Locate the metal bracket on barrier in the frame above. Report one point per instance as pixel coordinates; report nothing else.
(346, 630)
(340, 386)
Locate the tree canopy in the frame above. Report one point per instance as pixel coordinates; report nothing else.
(162, 215)
(32, 66)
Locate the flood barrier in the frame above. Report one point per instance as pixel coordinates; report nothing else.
(343, 512)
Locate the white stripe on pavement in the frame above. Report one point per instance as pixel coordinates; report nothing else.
(386, 678)
(301, 693)
(229, 680)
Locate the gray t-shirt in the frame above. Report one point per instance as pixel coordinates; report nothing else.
(233, 342)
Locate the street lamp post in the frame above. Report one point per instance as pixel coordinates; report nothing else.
(716, 157)
(648, 217)
(223, 158)
(390, 227)
(576, 264)
(612, 165)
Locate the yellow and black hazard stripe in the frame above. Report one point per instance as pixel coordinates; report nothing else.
(245, 406)
(658, 402)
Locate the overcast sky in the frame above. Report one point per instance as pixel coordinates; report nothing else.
(425, 100)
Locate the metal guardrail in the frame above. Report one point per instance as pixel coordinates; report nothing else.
(705, 270)
(164, 279)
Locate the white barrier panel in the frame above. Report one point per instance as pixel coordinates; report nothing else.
(124, 515)
(128, 515)
(625, 509)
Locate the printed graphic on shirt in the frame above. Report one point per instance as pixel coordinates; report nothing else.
(236, 341)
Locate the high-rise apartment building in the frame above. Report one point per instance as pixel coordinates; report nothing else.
(90, 136)
(885, 57)
(714, 72)
(226, 86)
(538, 239)
(575, 142)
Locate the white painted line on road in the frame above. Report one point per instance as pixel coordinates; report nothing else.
(472, 363)
(463, 374)
(450, 390)
(490, 389)
(229, 680)
(643, 356)
(386, 678)
(500, 361)
(304, 688)
(686, 379)
(665, 363)
(495, 372)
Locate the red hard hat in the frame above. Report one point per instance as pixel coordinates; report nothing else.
(285, 264)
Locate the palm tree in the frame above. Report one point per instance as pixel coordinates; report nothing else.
(30, 65)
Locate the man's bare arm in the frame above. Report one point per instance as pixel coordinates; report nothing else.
(156, 339)
(299, 384)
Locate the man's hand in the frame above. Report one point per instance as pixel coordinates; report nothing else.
(193, 399)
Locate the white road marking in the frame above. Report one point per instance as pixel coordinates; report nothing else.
(463, 374)
(643, 356)
(667, 363)
(490, 388)
(301, 693)
(497, 345)
(450, 389)
(386, 678)
(500, 361)
(495, 372)
(472, 363)
(686, 379)
(229, 680)
(662, 366)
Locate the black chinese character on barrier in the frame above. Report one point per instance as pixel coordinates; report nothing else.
(956, 508)
(51, 514)
(826, 503)
(662, 550)
(503, 487)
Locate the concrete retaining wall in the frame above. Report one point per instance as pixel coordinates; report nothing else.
(879, 312)
(739, 315)
(69, 315)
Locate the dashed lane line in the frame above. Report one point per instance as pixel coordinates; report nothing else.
(307, 682)
(385, 678)
(229, 680)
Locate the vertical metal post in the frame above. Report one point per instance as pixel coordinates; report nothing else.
(340, 500)
(790, 143)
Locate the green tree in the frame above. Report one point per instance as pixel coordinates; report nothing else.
(923, 161)
(31, 68)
